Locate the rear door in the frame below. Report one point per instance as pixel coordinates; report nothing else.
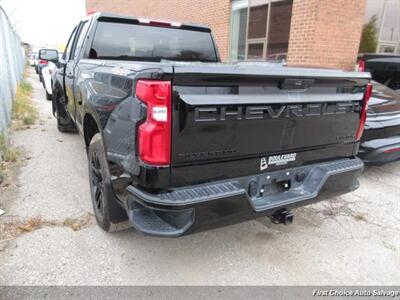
(65, 61)
(69, 72)
(78, 52)
(71, 65)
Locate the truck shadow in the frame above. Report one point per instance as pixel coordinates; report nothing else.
(332, 222)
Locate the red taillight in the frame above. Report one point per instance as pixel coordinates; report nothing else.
(159, 23)
(43, 62)
(154, 135)
(361, 66)
(364, 108)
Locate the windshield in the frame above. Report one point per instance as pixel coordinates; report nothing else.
(149, 43)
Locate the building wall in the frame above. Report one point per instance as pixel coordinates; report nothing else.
(215, 13)
(323, 33)
(326, 33)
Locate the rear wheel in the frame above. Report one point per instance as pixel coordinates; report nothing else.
(64, 121)
(110, 216)
(395, 84)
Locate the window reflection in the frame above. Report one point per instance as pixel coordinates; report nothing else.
(260, 29)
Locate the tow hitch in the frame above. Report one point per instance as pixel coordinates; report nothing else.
(282, 216)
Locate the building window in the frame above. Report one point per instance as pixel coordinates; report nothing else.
(260, 29)
(387, 14)
(255, 50)
(238, 29)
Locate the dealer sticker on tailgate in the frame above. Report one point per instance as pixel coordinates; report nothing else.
(281, 159)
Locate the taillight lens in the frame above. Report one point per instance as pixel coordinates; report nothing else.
(361, 66)
(364, 108)
(43, 62)
(154, 135)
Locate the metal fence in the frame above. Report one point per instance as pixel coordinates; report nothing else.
(12, 60)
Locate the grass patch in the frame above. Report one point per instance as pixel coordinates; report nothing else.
(25, 87)
(7, 153)
(24, 113)
(12, 226)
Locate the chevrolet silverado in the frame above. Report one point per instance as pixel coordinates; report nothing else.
(178, 142)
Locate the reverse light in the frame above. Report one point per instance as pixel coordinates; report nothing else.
(364, 108)
(154, 135)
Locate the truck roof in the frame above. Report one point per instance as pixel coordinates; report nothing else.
(150, 21)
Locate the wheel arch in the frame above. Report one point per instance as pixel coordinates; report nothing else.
(90, 127)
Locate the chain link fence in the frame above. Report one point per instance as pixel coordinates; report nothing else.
(12, 61)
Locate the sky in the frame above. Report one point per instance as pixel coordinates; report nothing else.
(390, 28)
(44, 22)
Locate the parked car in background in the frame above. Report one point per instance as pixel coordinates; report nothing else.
(178, 142)
(384, 68)
(37, 61)
(47, 74)
(381, 139)
(32, 59)
(53, 56)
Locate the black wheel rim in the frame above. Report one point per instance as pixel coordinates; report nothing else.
(97, 182)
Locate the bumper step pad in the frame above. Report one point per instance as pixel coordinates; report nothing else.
(173, 213)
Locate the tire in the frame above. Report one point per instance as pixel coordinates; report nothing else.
(64, 121)
(48, 96)
(110, 216)
(395, 84)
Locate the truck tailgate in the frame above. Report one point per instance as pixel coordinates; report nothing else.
(262, 117)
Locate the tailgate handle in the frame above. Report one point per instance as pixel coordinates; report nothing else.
(296, 84)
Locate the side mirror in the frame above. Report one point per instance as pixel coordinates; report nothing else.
(49, 55)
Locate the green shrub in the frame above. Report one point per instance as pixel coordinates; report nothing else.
(7, 153)
(369, 36)
(23, 110)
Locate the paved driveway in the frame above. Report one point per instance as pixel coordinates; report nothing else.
(353, 239)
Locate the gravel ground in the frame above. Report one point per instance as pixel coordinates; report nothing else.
(353, 239)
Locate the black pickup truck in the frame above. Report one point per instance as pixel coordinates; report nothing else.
(178, 142)
(384, 68)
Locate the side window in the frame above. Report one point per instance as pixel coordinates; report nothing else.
(67, 52)
(80, 39)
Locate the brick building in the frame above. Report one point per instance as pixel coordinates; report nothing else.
(323, 33)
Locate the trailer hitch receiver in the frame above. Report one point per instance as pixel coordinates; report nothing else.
(282, 216)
